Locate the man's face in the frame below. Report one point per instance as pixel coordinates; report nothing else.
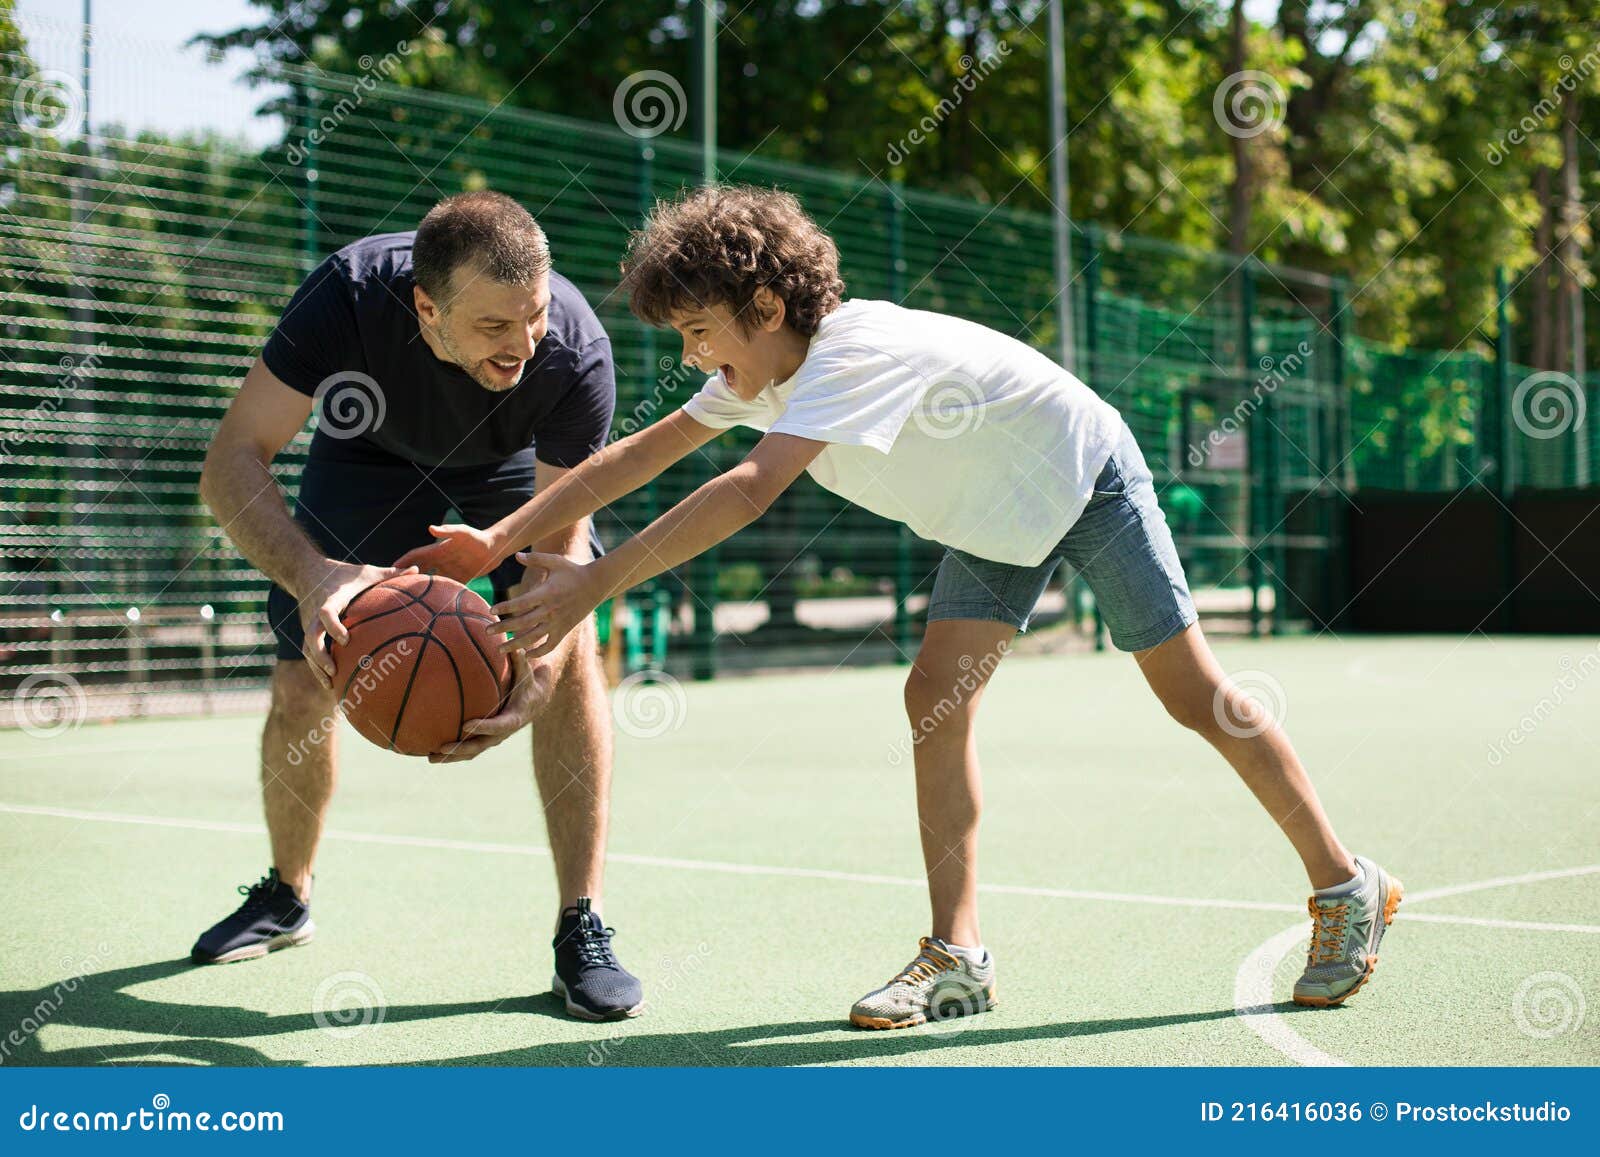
(749, 362)
(487, 327)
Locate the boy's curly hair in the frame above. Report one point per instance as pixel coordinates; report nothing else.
(719, 244)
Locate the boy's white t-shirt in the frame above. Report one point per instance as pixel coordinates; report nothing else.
(969, 437)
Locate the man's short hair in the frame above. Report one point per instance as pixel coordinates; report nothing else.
(719, 244)
(485, 229)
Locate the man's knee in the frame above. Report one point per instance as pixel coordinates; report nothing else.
(296, 693)
(578, 674)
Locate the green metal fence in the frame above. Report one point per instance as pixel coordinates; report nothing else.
(139, 277)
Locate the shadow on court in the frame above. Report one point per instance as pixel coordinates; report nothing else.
(206, 1034)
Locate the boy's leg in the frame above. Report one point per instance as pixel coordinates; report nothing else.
(952, 973)
(1197, 693)
(1124, 549)
(944, 687)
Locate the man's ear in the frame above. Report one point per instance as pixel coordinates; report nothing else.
(426, 309)
(770, 310)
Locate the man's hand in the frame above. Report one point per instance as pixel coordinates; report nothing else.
(548, 611)
(322, 606)
(530, 690)
(461, 552)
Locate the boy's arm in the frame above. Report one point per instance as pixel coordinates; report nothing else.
(464, 552)
(721, 508)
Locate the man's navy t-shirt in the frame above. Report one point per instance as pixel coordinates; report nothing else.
(355, 316)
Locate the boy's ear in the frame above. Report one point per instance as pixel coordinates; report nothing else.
(770, 309)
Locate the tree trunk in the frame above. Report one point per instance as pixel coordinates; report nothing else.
(1571, 243)
(1541, 348)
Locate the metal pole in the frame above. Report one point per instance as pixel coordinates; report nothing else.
(704, 567)
(1059, 187)
(708, 89)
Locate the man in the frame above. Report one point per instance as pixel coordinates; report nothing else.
(451, 369)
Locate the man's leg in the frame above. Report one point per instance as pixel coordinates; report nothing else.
(299, 767)
(572, 766)
(297, 777)
(1195, 690)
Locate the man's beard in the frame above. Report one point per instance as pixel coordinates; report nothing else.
(472, 370)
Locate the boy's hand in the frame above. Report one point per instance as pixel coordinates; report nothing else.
(530, 688)
(547, 612)
(461, 552)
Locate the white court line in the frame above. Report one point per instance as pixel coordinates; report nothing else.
(728, 868)
(1252, 984)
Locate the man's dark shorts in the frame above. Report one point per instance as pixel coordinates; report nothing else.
(363, 505)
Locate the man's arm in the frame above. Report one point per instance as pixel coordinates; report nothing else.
(716, 511)
(238, 487)
(464, 552)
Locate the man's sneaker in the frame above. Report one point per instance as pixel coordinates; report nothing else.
(1345, 931)
(270, 918)
(588, 976)
(937, 985)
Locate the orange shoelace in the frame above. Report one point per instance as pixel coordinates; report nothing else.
(931, 961)
(1327, 931)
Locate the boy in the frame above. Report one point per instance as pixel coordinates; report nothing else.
(972, 439)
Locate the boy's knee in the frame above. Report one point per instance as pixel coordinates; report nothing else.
(1196, 712)
(934, 701)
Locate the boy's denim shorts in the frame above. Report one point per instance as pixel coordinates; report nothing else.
(1122, 547)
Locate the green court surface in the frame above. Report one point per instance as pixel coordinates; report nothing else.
(765, 872)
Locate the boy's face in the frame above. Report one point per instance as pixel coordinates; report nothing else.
(749, 362)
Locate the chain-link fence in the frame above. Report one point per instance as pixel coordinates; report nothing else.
(139, 275)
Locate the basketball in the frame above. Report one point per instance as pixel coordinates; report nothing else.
(422, 660)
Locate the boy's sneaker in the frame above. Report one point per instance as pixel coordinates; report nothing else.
(1345, 930)
(937, 985)
(588, 976)
(270, 918)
